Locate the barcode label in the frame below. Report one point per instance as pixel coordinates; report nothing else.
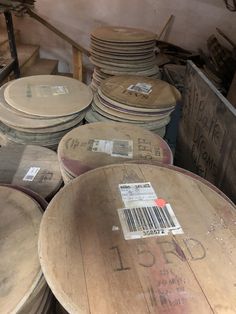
(31, 174)
(148, 221)
(142, 88)
(114, 148)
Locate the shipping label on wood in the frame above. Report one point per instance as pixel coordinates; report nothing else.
(207, 133)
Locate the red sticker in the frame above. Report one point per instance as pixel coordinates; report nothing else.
(160, 202)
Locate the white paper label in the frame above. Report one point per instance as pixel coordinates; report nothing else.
(114, 148)
(137, 194)
(48, 90)
(31, 174)
(148, 221)
(142, 88)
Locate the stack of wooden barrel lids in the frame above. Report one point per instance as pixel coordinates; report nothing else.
(40, 109)
(140, 239)
(99, 144)
(139, 100)
(33, 167)
(122, 50)
(23, 288)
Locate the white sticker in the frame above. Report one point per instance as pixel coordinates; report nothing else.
(142, 88)
(48, 90)
(31, 174)
(148, 221)
(114, 148)
(137, 193)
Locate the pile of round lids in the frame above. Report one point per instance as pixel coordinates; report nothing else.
(23, 288)
(155, 239)
(143, 101)
(122, 50)
(99, 144)
(32, 167)
(41, 109)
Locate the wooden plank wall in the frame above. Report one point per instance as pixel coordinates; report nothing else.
(207, 133)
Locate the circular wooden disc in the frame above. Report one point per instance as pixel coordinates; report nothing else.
(122, 34)
(94, 116)
(39, 199)
(20, 270)
(161, 96)
(78, 153)
(16, 161)
(182, 273)
(48, 95)
(153, 71)
(145, 110)
(12, 117)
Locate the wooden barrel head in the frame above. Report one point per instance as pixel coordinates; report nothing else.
(140, 91)
(100, 144)
(48, 95)
(33, 167)
(122, 34)
(172, 250)
(20, 270)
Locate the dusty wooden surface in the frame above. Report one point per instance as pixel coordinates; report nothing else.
(20, 270)
(101, 272)
(48, 95)
(76, 155)
(17, 160)
(207, 133)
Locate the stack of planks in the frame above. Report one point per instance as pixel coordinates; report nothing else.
(40, 109)
(139, 100)
(122, 50)
(100, 144)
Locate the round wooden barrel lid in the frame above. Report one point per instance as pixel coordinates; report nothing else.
(48, 95)
(33, 167)
(39, 199)
(13, 117)
(137, 91)
(154, 240)
(122, 34)
(20, 271)
(98, 144)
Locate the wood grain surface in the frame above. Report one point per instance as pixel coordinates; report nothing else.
(20, 270)
(91, 268)
(207, 133)
(162, 94)
(75, 149)
(48, 95)
(16, 161)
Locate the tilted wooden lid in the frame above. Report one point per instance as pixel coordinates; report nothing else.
(13, 117)
(101, 272)
(140, 91)
(20, 270)
(48, 95)
(30, 166)
(122, 34)
(100, 144)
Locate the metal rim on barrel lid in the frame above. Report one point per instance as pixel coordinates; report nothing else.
(48, 95)
(99, 144)
(32, 167)
(176, 257)
(122, 34)
(20, 271)
(140, 92)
